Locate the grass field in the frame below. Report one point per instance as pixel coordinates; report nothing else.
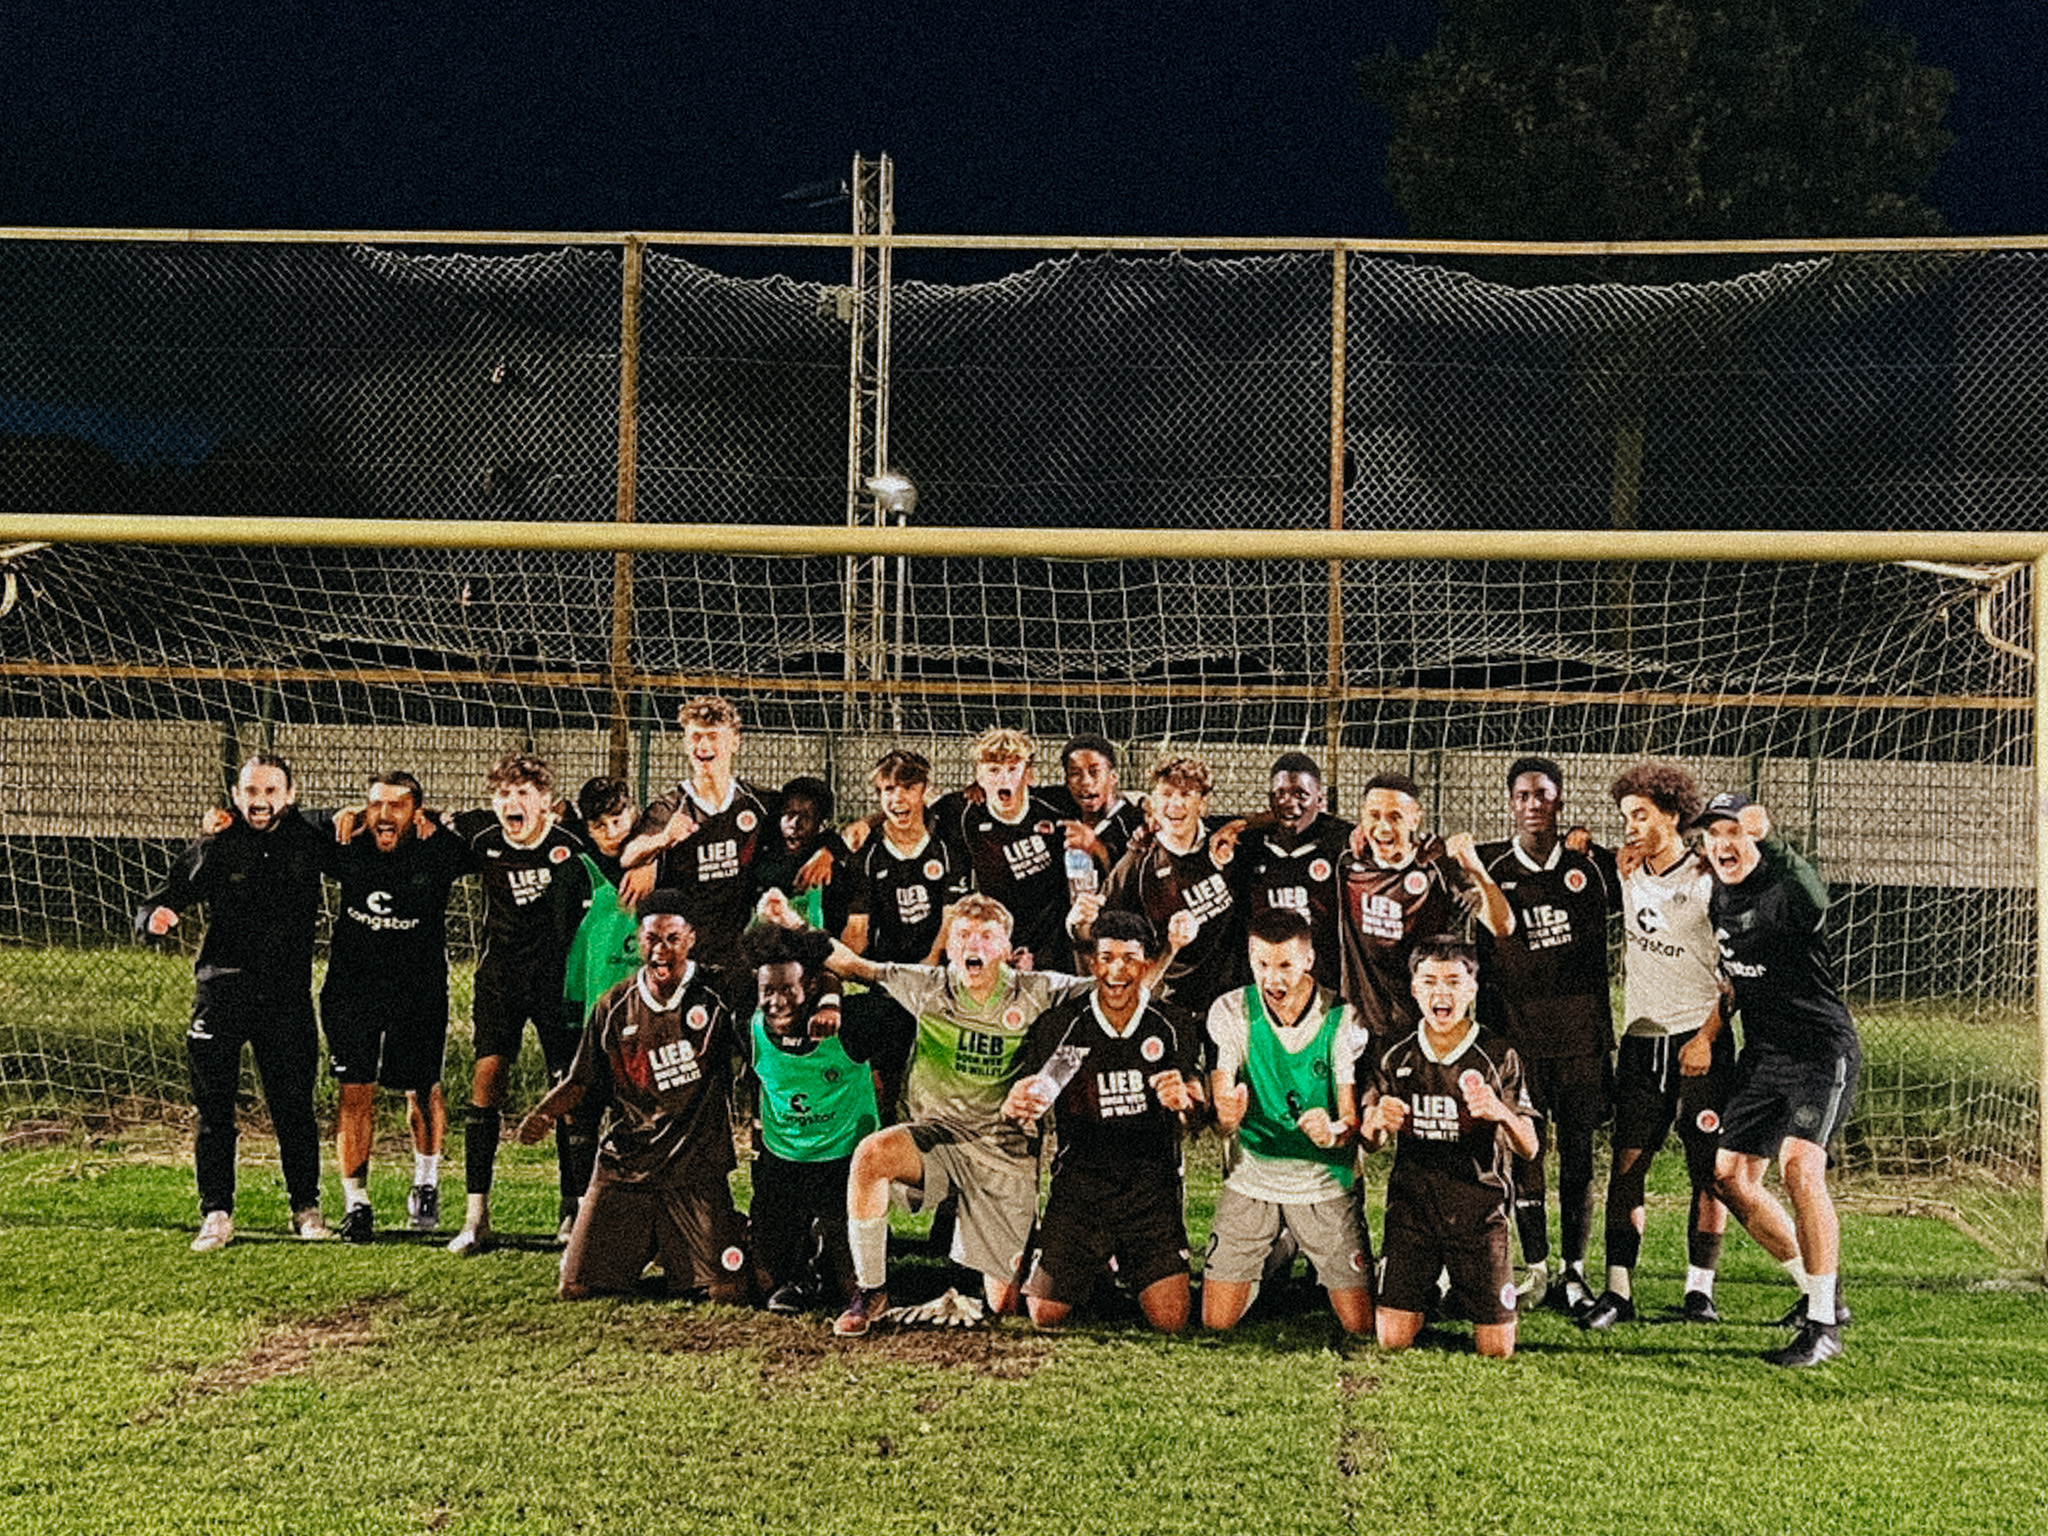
(281, 1386)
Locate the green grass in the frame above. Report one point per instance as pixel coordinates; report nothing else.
(280, 1386)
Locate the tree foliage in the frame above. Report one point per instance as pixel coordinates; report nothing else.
(1662, 119)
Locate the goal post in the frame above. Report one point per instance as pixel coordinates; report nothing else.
(1876, 691)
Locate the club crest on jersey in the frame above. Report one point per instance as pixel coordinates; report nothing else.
(1319, 871)
(1013, 1017)
(732, 1259)
(1153, 1048)
(1416, 883)
(558, 855)
(1708, 1121)
(1575, 880)
(1043, 829)
(698, 1016)
(933, 869)
(747, 821)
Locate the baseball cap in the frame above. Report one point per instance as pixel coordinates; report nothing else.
(1726, 806)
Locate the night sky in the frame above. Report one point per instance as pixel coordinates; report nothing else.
(1117, 117)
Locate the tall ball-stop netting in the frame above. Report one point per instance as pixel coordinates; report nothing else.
(1882, 711)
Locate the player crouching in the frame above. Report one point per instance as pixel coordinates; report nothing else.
(1120, 1074)
(1454, 1094)
(661, 1043)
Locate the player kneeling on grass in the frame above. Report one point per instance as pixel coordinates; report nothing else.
(816, 1104)
(1453, 1093)
(1282, 1087)
(661, 1044)
(1120, 1073)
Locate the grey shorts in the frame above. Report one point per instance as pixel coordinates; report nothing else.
(997, 1205)
(1328, 1232)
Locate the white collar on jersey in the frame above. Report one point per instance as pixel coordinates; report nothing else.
(1137, 1015)
(675, 1002)
(1464, 1044)
(924, 838)
(731, 790)
(1522, 856)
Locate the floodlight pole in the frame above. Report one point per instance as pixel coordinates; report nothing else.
(867, 428)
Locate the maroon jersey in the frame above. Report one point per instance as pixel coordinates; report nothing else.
(1297, 872)
(1442, 1155)
(711, 867)
(666, 1073)
(1385, 913)
(1545, 984)
(1021, 864)
(1109, 1117)
(1156, 882)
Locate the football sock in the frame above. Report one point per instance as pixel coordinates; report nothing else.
(426, 1167)
(1698, 1279)
(1703, 1250)
(1796, 1268)
(480, 1130)
(869, 1239)
(355, 1192)
(1820, 1299)
(476, 1211)
(1618, 1281)
(1532, 1227)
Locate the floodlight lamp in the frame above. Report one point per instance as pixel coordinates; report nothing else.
(893, 493)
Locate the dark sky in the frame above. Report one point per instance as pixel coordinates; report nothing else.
(1004, 116)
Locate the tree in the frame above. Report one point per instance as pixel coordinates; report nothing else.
(1662, 119)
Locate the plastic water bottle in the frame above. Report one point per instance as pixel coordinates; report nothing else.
(1081, 874)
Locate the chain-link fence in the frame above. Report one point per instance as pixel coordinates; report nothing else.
(1884, 710)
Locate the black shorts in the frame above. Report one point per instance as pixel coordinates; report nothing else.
(399, 1039)
(1777, 1096)
(1571, 1093)
(1651, 1093)
(795, 1208)
(1129, 1225)
(693, 1231)
(1423, 1239)
(506, 997)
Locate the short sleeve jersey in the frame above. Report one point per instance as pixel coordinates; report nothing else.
(966, 1055)
(1156, 882)
(1385, 913)
(1310, 1175)
(1671, 964)
(904, 895)
(1021, 864)
(711, 866)
(391, 928)
(1276, 869)
(533, 897)
(1443, 1157)
(1775, 950)
(1546, 983)
(668, 1067)
(1109, 1117)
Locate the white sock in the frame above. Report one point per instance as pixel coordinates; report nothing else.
(477, 1211)
(1820, 1299)
(426, 1167)
(355, 1192)
(1796, 1268)
(1619, 1282)
(1697, 1279)
(868, 1236)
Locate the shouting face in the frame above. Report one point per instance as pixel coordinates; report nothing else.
(263, 793)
